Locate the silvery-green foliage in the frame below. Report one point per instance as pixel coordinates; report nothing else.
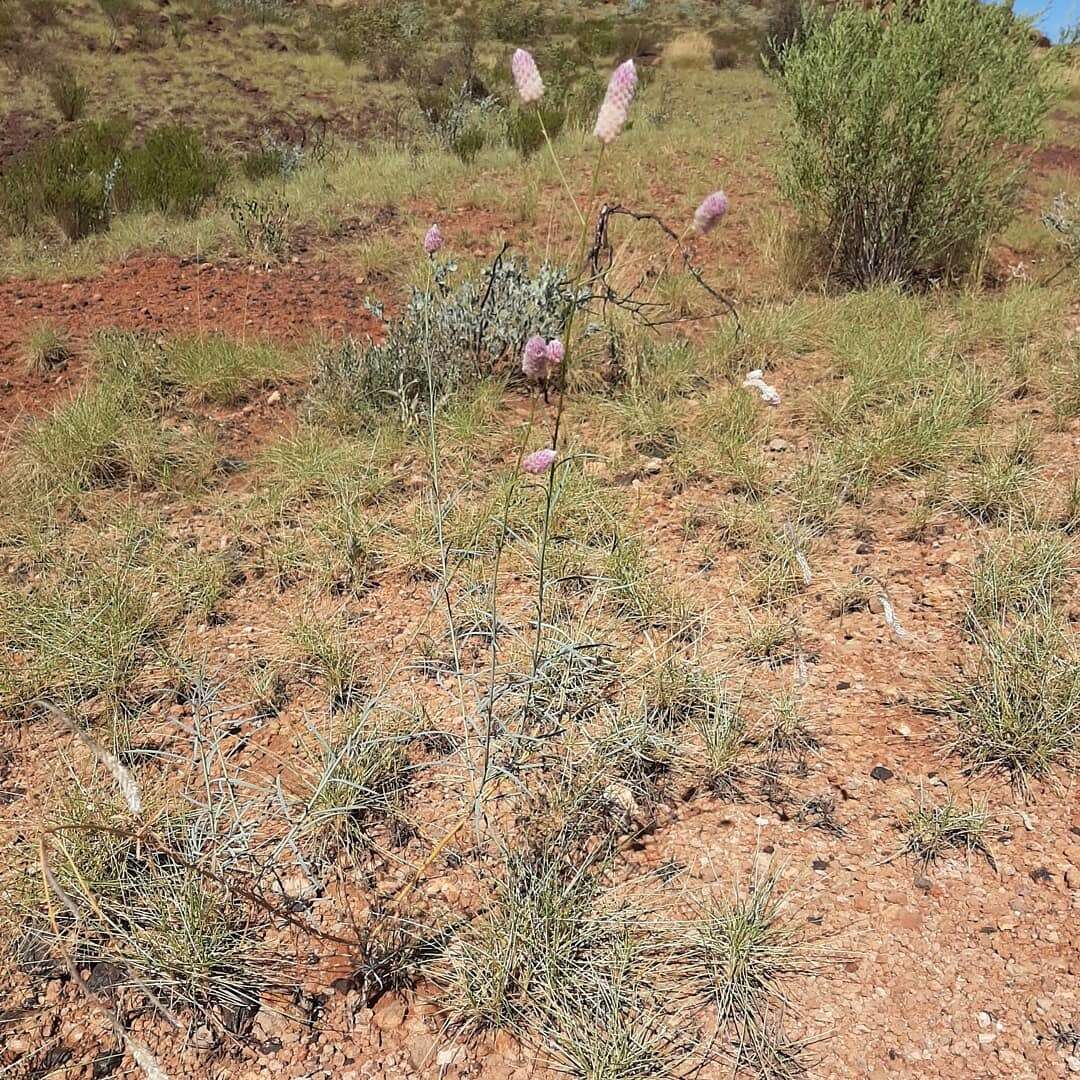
(466, 113)
(412, 20)
(445, 338)
(1063, 222)
(288, 155)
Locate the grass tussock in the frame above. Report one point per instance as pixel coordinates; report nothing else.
(932, 831)
(1016, 707)
(48, 348)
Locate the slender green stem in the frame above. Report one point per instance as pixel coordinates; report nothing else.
(504, 530)
(564, 368)
(558, 165)
(444, 575)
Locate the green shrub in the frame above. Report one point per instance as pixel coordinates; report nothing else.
(724, 59)
(67, 179)
(785, 26)
(80, 178)
(525, 132)
(42, 12)
(468, 142)
(377, 34)
(514, 22)
(10, 30)
(171, 172)
(910, 125)
(597, 39)
(67, 93)
(119, 12)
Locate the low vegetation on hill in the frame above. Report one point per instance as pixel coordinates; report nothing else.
(635, 638)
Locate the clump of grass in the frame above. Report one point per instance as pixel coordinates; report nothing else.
(219, 370)
(998, 486)
(848, 597)
(269, 687)
(106, 436)
(1018, 576)
(636, 595)
(47, 348)
(159, 907)
(1070, 515)
(678, 691)
(718, 758)
(67, 93)
(780, 568)
(325, 652)
(573, 677)
(934, 830)
(770, 639)
(1018, 708)
(785, 732)
(78, 637)
(359, 777)
(741, 952)
(198, 582)
(562, 964)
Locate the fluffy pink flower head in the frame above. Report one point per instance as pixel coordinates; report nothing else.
(526, 77)
(433, 240)
(555, 353)
(616, 107)
(534, 358)
(707, 216)
(538, 462)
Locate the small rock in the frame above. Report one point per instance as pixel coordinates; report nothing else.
(274, 398)
(1072, 878)
(449, 1056)
(652, 466)
(203, 1038)
(923, 884)
(879, 772)
(421, 1050)
(388, 1013)
(778, 445)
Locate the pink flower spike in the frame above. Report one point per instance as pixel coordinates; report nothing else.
(555, 353)
(538, 462)
(526, 77)
(708, 214)
(433, 240)
(615, 109)
(534, 358)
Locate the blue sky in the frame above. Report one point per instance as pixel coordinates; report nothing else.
(1052, 16)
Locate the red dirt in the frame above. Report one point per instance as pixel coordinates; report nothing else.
(170, 295)
(1057, 158)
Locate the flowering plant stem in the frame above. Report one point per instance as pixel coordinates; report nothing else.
(504, 529)
(560, 406)
(558, 165)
